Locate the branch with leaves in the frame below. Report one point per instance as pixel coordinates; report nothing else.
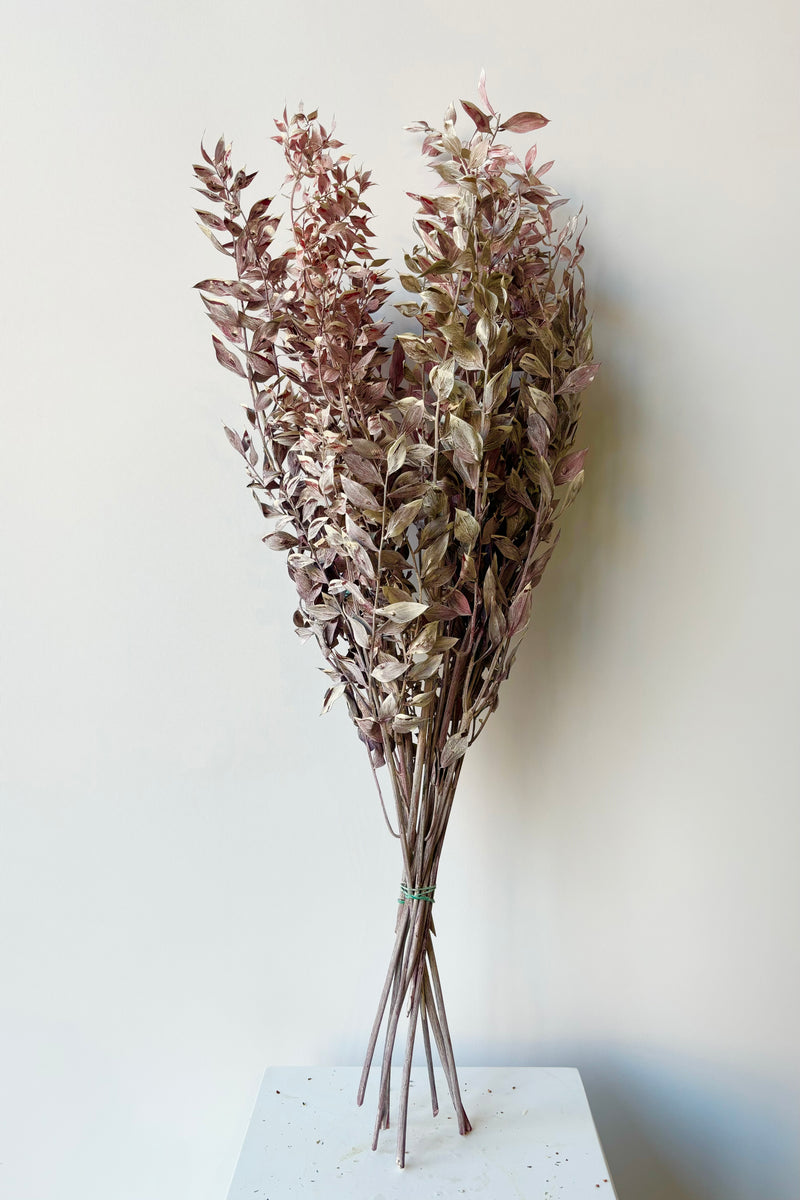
(414, 484)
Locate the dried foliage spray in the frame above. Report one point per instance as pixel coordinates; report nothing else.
(415, 485)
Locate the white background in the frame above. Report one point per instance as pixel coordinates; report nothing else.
(194, 874)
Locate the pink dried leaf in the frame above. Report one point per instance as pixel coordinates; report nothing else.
(357, 494)
(227, 359)
(482, 93)
(396, 366)
(362, 561)
(259, 208)
(217, 287)
(211, 219)
(459, 603)
(519, 611)
(364, 470)
(569, 466)
(579, 379)
(359, 535)
(538, 433)
(263, 368)
(215, 241)
(280, 540)
(243, 291)
(479, 118)
(234, 439)
(537, 570)
(525, 122)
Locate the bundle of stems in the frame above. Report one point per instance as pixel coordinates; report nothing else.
(415, 484)
(423, 812)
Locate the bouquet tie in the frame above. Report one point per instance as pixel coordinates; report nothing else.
(424, 893)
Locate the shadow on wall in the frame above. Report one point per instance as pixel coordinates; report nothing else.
(681, 1129)
(598, 547)
(672, 1127)
(580, 606)
(675, 1128)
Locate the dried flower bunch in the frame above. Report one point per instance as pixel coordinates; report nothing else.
(415, 485)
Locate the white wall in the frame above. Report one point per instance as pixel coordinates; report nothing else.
(194, 873)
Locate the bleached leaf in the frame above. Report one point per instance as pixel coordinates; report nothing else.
(466, 528)
(403, 611)
(397, 454)
(402, 518)
(465, 438)
(357, 494)
(454, 748)
(331, 696)
(579, 379)
(387, 671)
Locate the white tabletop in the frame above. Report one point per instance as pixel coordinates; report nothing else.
(533, 1137)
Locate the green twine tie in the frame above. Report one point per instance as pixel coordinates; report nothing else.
(423, 893)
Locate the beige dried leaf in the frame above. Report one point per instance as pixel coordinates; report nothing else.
(465, 439)
(454, 748)
(433, 554)
(543, 404)
(397, 454)
(389, 670)
(402, 612)
(357, 494)
(466, 528)
(533, 365)
(425, 669)
(496, 389)
(425, 640)
(466, 352)
(443, 378)
(331, 696)
(402, 518)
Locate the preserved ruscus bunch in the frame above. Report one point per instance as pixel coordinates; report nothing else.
(414, 484)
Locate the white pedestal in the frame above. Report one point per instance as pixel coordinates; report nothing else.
(533, 1138)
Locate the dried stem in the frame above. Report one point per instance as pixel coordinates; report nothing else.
(413, 974)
